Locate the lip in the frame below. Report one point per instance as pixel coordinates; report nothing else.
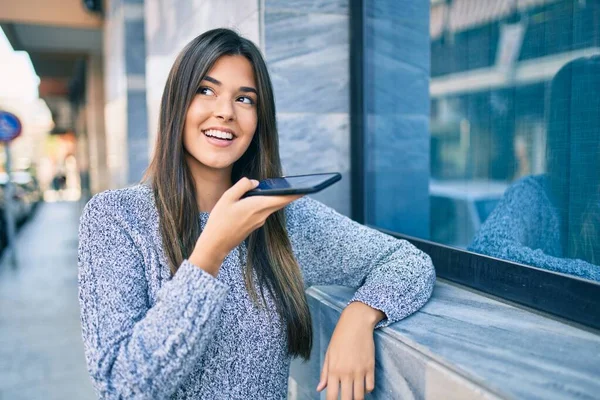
(217, 142)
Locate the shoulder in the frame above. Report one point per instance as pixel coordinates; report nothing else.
(307, 208)
(528, 189)
(310, 219)
(129, 204)
(302, 205)
(532, 182)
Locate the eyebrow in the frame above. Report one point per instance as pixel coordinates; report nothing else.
(245, 89)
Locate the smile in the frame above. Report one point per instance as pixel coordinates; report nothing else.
(219, 138)
(219, 134)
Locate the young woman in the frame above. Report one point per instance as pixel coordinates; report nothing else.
(552, 221)
(189, 292)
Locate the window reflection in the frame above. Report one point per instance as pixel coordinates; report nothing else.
(552, 220)
(515, 131)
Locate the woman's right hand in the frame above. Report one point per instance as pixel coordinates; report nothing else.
(231, 221)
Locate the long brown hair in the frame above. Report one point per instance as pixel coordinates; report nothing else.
(574, 156)
(270, 254)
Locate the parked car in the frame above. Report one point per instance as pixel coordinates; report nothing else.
(33, 193)
(459, 207)
(3, 234)
(26, 196)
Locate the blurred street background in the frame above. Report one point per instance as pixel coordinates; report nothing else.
(41, 354)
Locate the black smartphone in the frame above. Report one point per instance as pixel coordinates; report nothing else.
(297, 184)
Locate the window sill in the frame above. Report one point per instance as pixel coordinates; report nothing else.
(462, 345)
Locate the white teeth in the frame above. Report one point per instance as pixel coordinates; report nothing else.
(219, 134)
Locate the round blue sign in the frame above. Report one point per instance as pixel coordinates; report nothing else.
(10, 126)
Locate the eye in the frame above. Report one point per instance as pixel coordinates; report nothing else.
(246, 100)
(205, 91)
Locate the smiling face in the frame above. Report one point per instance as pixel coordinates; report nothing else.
(222, 118)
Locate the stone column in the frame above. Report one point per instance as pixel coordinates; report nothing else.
(396, 87)
(307, 49)
(125, 83)
(94, 109)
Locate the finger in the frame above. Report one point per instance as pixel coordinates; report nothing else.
(359, 387)
(293, 197)
(323, 381)
(347, 389)
(278, 202)
(264, 206)
(370, 381)
(270, 203)
(242, 186)
(333, 388)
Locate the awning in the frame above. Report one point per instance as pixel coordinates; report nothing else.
(466, 14)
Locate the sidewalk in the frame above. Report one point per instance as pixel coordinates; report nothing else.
(41, 352)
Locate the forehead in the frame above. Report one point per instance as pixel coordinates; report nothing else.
(233, 70)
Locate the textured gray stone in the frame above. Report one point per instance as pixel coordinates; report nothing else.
(125, 55)
(112, 6)
(136, 115)
(313, 143)
(114, 55)
(135, 54)
(307, 52)
(137, 150)
(468, 346)
(307, 56)
(171, 24)
(309, 6)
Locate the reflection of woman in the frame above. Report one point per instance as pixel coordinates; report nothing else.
(553, 221)
(188, 291)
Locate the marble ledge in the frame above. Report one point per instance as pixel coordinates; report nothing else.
(466, 346)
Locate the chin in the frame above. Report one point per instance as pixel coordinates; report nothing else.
(216, 164)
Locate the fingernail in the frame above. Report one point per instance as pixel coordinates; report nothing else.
(255, 182)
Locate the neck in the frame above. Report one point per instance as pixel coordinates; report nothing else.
(210, 184)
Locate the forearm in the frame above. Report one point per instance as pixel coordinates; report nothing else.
(151, 356)
(401, 282)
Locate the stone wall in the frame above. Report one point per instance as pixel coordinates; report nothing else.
(397, 115)
(307, 48)
(125, 112)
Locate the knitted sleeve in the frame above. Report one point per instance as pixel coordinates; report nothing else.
(391, 274)
(134, 350)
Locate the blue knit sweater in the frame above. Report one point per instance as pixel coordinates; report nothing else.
(525, 228)
(151, 335)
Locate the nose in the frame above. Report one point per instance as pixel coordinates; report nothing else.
(224, 110)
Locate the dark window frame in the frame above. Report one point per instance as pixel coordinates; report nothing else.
(564, 296)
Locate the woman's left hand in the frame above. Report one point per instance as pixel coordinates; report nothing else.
(349, 366)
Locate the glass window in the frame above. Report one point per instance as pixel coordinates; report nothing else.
(508, 164)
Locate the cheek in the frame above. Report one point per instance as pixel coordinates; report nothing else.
(249, 122)
(194, 117)
(194, 113)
